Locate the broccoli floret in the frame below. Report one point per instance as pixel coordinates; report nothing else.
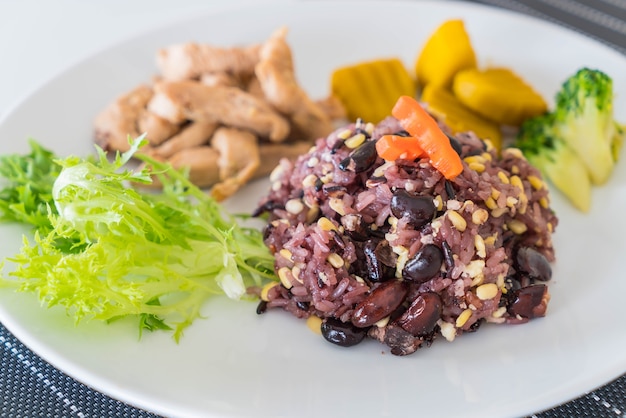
(584, 120)
(538, 139)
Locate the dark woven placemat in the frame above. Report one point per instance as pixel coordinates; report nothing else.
(608, 401)
(602, 20)
(31, 387)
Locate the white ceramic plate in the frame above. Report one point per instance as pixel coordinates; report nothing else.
(235, 363)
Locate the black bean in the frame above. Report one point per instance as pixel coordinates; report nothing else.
(474, 327)
(338, 239)
(261, 307)
(320, 282)
(511, 285)
(373, 181)
(530, 301)
(508, 236)
(424, 265)
(533, 263)
(361, 159)
(448, 256)
(473, 151)
(334, 190)
(402, 133)
(381, 301)
(318, 184)
(336, 146)
(360, 130)
(449, 189)
(379, 232)
(456, 145)
(267, 231)
(303, 305)
(419, 210)
(377, 261)
(346, 164)
(343, 334)
(267, 206)
(422, 315)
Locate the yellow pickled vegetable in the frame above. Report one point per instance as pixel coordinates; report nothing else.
(447, 108)
(369, 90)
(498, 94)
(446, 52)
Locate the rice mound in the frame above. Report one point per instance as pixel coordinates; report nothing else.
(347, 252)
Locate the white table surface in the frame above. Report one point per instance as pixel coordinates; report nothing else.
(40, 38)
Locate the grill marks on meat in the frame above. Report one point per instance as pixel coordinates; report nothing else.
(227, 114)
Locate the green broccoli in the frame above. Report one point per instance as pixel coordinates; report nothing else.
(584, 120)
(539, 141)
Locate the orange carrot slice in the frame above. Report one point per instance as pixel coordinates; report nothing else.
(392, 147)
(435, 143)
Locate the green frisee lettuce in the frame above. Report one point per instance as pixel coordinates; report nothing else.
(110, 251)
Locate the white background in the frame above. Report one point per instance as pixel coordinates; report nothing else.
(40, 38)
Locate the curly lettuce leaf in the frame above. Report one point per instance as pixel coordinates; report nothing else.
(27, 186)
(155, 256)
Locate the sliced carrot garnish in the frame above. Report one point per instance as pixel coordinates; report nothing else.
(435, 143)
(392, 147)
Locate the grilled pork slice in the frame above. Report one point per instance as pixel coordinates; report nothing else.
(226, 105)
(157, 128)
(219, 79)
(276, 75)
(192, 135)
(191, 60)
(238, 162)
(201, 162)
(239, 153)
(119, 120)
